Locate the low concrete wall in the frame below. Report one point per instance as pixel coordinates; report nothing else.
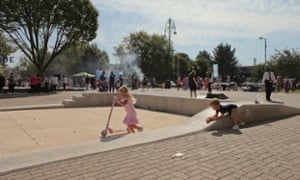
(89, 99)
(176, 105)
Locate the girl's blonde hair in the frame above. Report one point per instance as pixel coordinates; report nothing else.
(124, 90)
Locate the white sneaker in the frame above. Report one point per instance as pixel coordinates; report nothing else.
(235, 127)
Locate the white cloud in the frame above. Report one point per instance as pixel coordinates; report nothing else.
(200, 21)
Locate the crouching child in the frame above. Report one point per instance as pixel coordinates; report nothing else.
(224, 110)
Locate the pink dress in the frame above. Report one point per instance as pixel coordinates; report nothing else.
(131, 116)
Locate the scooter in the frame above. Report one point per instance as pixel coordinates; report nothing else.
(107, 129)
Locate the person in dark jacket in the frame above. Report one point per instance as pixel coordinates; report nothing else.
(2, 82)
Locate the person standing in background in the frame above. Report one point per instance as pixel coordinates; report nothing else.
(32, 81)
(65, 81)
(193, 83)
(11, 83)
(38, 83)
(121, 80)
(209, 78)
(112, 82)
(2, 82)
(278, 83)
(268, 80)
(87, 82)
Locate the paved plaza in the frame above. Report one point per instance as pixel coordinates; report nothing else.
(22, 131)
(262, 150)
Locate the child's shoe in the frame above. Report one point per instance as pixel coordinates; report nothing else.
(235, 127)
(141, 129)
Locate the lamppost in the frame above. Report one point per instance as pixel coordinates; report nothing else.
(265, 39)
(169, 28)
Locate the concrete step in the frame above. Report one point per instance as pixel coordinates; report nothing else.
(69, 103)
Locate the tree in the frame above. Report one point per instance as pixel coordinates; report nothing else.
(24, 69)
(226, 60)
(151, 52)
(286, 63)
(203, 62)
(204, 55)
(87, 58)
(257, 72)
(39, 27)
(183, 64)
(5, 48)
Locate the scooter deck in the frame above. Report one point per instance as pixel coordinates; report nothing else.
(117, 133)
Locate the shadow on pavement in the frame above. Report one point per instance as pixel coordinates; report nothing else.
(25, 94)
(112, 138)
(276, 102)
(220, 133)
(267, 122)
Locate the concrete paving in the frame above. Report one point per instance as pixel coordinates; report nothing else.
(217, 155)
(23, 131)
(263, 151)
(28, 99)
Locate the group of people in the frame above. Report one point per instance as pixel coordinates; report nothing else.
(39, 84)
(35, 82)
(270, 82)
(194, 82)
(111, 83)
(286, 84)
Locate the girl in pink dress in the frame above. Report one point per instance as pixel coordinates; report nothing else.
(127, 100)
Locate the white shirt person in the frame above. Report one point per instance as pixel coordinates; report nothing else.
(268, 80)
(268, 75)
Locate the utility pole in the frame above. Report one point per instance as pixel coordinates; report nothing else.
(169, 28)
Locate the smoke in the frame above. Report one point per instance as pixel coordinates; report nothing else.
(129, 66)
(91, 65)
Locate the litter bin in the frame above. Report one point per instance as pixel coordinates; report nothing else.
(167, 84)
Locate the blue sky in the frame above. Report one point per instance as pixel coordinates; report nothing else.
(203, 24)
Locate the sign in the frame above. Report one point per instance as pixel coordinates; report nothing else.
(215, 71)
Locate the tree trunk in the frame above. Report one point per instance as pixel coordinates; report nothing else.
(40, 71)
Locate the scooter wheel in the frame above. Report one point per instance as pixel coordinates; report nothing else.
(104, 133)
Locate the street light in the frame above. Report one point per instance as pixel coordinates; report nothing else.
(169, 27)
(265, 39)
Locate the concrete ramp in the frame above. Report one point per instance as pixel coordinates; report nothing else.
(247, 112)
(198, 108)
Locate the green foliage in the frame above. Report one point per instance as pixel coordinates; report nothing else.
(225, 58)
(152, 53)
(286, 64)
(183, 64)
(38, 27)
(257, 72)
(86, 58)
(6, 47)
(24, 69)
(202, 63)
(204, 55)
